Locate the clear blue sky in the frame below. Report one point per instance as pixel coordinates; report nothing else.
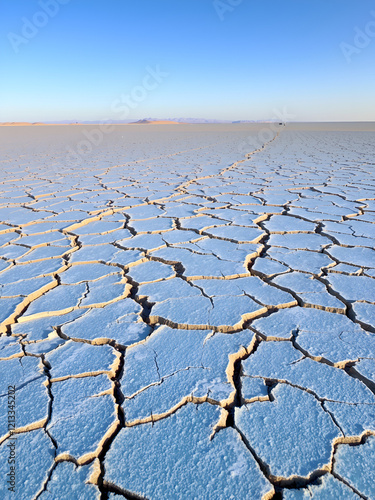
(223, 61)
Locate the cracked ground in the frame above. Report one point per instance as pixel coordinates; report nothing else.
(189, 312)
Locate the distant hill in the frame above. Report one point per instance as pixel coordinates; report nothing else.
(143, 121)
(155, 122)
(200, 120)
(19, 124)
(190, 120)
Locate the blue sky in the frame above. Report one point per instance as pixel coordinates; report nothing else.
(222, 59)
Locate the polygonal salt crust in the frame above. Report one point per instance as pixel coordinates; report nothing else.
(119, 322)
(8, 306)
(344, 268)
(355, 464)
(34, 459)
(8, 237)
(277, 197)
(294, 416)
(252, 286)
(237, 234)
(43, 346)
(360, 228)
(332, 227)
(315, 216)
(201, 312)
(81, 415)
(365, 313)
(175, 287)
(311, 291)
(63, 297)
(31, 396)
(227, 250)
(237, 217)
(42, 228)
(176, 236)
(22, 272)
(74, 358)
(151, 271)
(69, 216)
(199, 266)
(319, 333)
(143, 241)
(175, 458)
(45, 252)
(198, 201)
(35, 240)
(69, 481)
(239, 199)
(301, 260)
(354, 241)
(325, 487)
(201, 222)
(366, 367)
(106, 238)
(42, 328)
(261, 210)
(202, 374)
(323, 210)
(166, 345)
(145, 212)
(353, 287)
(151, 225)
(104, 290)
(354, 256)
(11, 252)
(299, 241)
(86, 272)
(268, 267)
(280, 361)
(9, 347)
(286, 224)
(105, 253)
(98, 227)
(353, 419)
(253, 388)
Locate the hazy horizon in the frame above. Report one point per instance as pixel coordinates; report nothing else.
(205, 121)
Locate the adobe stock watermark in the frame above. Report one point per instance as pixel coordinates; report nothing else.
(362, 39)
(266, 133)
(121, 107)
(222, 7)
(30, 27)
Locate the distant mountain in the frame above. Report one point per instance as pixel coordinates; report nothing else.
(201, 120)
(158, 120)
(87, 122)
(198, 120)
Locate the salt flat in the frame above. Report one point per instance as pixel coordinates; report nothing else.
(188, 311)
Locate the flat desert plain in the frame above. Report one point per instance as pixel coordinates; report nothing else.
(187, 312)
